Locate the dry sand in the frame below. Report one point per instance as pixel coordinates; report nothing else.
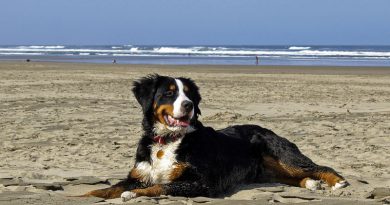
(69, 128)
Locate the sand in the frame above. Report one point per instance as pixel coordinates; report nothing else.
(69, 128)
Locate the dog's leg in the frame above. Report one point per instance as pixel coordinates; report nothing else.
(306, 182)
(329, 176)
(303, 176)
(116, 190)
(132, 182)
(281, 173)
(285, 160)
(187, 189)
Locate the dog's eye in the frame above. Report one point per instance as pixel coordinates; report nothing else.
(169, 93)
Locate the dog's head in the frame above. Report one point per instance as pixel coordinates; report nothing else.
(170, 105)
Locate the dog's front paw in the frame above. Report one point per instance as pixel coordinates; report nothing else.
(340, 184)
(127, 195)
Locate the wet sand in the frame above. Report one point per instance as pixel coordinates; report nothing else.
(68, 128)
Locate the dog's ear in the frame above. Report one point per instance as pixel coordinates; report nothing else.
(194, 94)
(144, 90)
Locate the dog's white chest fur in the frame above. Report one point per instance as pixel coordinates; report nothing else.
(160, 168)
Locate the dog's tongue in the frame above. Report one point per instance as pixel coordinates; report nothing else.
(183, 123)
(176, 122)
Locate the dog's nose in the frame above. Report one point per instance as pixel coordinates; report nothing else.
(187, 105)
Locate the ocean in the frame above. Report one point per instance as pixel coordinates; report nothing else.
(309, 55)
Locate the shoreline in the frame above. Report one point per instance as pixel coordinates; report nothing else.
(249, 69)
(67, 128)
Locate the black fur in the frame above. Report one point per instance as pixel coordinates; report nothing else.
(144, 91)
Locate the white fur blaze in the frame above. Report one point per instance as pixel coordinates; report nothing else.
(158, 171)
(177, 113)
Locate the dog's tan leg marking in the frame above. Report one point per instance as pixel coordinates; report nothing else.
(155, 190)
(135, 174)
(333, 180)
(178, 171)
(108, 193)
(281, 169)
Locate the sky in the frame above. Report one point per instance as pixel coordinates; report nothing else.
(195, 22)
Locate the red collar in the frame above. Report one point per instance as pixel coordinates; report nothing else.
(162, 140)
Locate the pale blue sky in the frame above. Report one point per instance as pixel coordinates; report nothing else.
(195, 22)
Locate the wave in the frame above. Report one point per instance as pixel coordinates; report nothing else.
(54, 47)
(135, 49)
(298, 48)
(204, 51)
(177, 50)
(122, 54)
(345, 53)
(22, 54)
(38, 47)
(65, 50)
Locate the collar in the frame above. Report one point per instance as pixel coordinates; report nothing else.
(163, 140)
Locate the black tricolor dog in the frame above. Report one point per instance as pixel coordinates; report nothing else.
(179, 156)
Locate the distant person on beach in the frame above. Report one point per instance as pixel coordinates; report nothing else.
(28, 60)
(114, 61)
(257, 60)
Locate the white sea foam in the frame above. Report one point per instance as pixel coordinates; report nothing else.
(84, 54)
(54, 47)
(178, 50)
(60, 50)
(293, 51)
(122, 54)
(38, 47)
(299, 47)
(21, 53)
(135, 49)
(345, 53)
(26, 47)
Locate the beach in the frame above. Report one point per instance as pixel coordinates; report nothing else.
(68, 128)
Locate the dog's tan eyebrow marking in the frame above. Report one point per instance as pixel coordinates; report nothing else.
(185, 88)
(172, 87)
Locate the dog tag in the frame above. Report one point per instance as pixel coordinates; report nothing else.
(160, 154)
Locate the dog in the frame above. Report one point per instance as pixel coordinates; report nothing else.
(177, 155)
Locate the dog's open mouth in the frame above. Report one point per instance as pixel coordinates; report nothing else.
(177, 122)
